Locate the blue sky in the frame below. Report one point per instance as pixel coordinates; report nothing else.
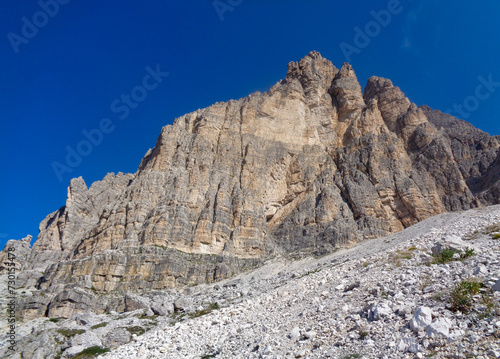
(62, 67)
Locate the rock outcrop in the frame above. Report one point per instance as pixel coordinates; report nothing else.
(312, 164)
(19, 251)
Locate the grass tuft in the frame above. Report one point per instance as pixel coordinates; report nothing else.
(100, 325)
(136, 330)
(212, 306)
(69, 333)
(91, 352)
(447, 255)
(461, 295)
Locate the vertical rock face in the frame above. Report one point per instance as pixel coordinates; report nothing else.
(311, 164)
(15, 254)
(62, 231)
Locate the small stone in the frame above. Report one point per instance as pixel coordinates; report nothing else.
(404, 310)
(480, 270)
(380, 311)
(181, 304)
(282, 292)
(295, 334)
(267, 350)
(407, 345)
(232, 283)
(456, 334)
(474, 338)
(301, 354)
(310, 334)
(428, 289)
(352, 286)
(496, 286)
(494, 353)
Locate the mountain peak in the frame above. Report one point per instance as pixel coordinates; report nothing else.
(312, 66)
(346, 71)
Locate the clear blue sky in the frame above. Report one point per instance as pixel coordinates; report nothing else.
(60, 73)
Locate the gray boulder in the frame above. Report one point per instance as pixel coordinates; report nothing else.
(380, 311)
(441, 327)
(86, 340)
(161, 306)
(408, 345)
(135, 302)
(117, 337)
(421, 319)
(181, 304)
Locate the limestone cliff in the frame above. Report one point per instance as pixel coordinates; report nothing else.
(311, 164)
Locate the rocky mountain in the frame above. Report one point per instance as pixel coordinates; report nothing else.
(313, 164)
(431, 290)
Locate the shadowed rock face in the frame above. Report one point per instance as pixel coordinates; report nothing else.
(312, 164)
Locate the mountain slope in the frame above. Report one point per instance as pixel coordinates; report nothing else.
(357, 302)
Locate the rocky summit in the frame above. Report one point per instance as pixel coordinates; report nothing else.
(310, 166)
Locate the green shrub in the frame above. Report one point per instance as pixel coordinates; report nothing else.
(461, 295)
(363, 333)
(91, 352)
(488, 300)
(447, 255)
(469, 252)
(144, 316)
(69, 333)
(54, 320)
(493, 228)
(101, 325)
(310, 272)
(212, 306)
(136, 330)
